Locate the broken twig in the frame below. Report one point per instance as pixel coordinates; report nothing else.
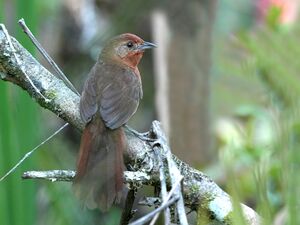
(200, 192)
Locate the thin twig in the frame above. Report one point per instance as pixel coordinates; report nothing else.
(174, 174)
(173, 171)
(36, 43)
(130, 177)
(32, 151)
(56, 68)
(150, 215)
(163, 186)
(198, 188)
(46, 55)
(51, 175)
(19, 63)
(147, 217)
(127, 213)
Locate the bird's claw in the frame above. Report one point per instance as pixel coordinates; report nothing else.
(142, 136)
(146, 139)
(155, 143)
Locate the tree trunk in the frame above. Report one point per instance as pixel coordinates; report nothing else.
(185, 82)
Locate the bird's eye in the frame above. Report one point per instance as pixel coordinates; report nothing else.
(130, 44)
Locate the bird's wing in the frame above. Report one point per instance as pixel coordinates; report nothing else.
(88, 101)
(113, 91)
(120, 98)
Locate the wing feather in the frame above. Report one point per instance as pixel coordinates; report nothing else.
(113, 91)
(119, 101)
(88, 104)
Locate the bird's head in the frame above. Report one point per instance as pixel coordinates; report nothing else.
(126, 49)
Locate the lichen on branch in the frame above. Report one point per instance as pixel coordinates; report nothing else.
(200, 192)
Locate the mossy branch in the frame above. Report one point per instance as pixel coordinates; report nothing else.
(200, 192)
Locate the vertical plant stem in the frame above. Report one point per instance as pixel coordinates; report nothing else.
(5, 130)
(25, 121)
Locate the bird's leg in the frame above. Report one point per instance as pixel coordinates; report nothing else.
(142, 136)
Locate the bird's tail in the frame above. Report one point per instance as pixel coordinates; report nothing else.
(99, 178)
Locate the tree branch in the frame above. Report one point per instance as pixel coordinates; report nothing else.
(128, 213)
(200, 192)
(163, 187)
(174, 173)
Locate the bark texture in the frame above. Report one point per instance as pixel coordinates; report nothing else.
(200, 192)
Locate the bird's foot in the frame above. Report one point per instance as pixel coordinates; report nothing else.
(142, 136)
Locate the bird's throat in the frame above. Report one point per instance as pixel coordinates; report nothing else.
(132, 60)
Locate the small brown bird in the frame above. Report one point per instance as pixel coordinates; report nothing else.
(110, 97)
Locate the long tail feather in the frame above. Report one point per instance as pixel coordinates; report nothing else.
(99, 177)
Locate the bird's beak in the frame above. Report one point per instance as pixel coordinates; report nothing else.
(146, 45)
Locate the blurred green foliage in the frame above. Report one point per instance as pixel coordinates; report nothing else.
(33, 202)
(260, 147)
(19, 129)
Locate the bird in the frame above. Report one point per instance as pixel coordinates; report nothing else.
(110, 96)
